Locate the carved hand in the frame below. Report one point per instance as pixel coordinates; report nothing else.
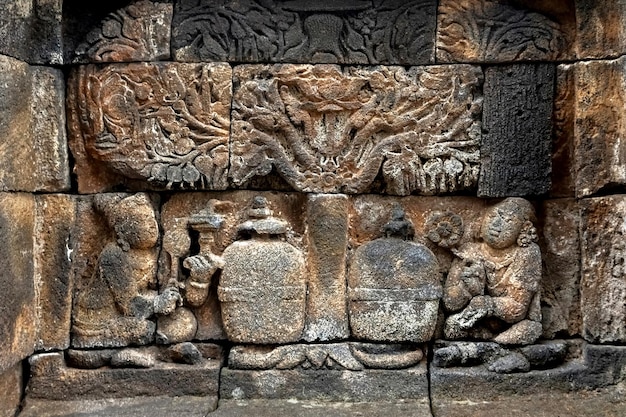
(203, 267)
(166, 302)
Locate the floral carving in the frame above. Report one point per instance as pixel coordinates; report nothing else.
(445, 229)
(324, 129)
(166, 124)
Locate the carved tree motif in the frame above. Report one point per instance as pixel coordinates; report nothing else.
(139, 32)
(394, 31)
(488, 31)
(164, 123)
(328, 130)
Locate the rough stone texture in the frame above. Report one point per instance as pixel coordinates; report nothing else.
(52, 379)
(30, 30)
(603, 282)
(600, 126)
(327, 129)
(298, 31)
(337, 356)
(327, 232)
(11, 386)
(32, 127)
(325, 385)
(183, 212)
(516, 149)
(601, 32)
(150, 125)
(140, 31)
(18, 320)
(503, 31)
(290, 408)
(187, 406)
(563, 132)
(55, 218)
(560, 287)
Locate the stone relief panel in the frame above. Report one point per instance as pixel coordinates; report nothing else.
(326, 129)
(499, 31)
(298, 31)
(160, 126)
(140, 31)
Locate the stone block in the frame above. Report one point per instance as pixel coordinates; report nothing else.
(600, 127)
(564, 133)
(560, 246)
(603, 281)
(326, 385)
(11, 387)
(327, 232)
(56, 214)
(30, 30)
(298, 31)
(140, 31)
(600, 31)
(326, 129)
(150, 126)
(18, 323)
(515, 151)
(503, 31)
(32, 127)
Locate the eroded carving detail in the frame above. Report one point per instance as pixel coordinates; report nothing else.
(327, 130)
(165, 124)
(352, 32)
(138, 32)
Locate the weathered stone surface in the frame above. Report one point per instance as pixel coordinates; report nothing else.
(55, 218)
(11, 386)
(515, 151)
(327, 129)
(601, 32)
(326, 385)
(327, 232)
(149, 125)
(52, 379)
(344, 32)
(32, 127)
(18, 320)
(560, 286)
(160, 406)
(197, 228)
(140, 31)
(563, 133)
(603, 282)
(114, 268)
(337, 356)
(30, 30)
(503, 31)
(600, 128)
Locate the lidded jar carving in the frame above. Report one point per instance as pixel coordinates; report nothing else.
(263, 286)
(394, 286)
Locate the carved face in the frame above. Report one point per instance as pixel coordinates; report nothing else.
(502, 225)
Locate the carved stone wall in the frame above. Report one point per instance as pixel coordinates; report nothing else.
(335, 201)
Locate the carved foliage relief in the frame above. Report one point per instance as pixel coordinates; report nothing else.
(324, 129)
(166, 124)
(298, 31)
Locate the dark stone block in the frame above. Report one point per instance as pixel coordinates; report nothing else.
(517, 122)
(345, 32)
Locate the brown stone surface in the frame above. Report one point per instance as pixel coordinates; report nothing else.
(326, 129)
(600, 126)
(150, 125)
(560, 289)
(563, 133)
(55, 219)
(138, 32)
(601, 32)
(327, 232)
(11, 387)
(504, 31)
(18, 324)
(603, 281)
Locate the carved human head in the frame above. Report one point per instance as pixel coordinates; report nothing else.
(504, 222)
